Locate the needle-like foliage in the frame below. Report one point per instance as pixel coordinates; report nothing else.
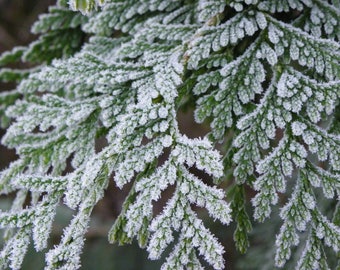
(264, 74)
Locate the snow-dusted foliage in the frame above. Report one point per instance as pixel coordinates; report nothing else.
(264, 74)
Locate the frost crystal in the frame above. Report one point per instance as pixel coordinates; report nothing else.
(298, 128)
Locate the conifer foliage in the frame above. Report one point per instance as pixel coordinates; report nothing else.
(264, 74)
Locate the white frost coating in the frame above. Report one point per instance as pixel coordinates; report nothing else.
(128, 89)
(17, 248)
(274, 34)
(163, 112)
(261, 20)
(199, 152)
(205, 196)
(298, 128)
(167, 141)
(282, 86)
(308, 200)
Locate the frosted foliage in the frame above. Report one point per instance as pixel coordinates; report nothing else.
(133, 163)
(268, 53)
(42, 223)
(238, 4)
(150, 190)
(85, 6)
(229, 33)
(306, 50)
(325, 145)
(189, 258)
(288, 237)
(297, 216)
(14, 251)
(236, 84)
(191, 231)
(208, 9)
(187, 152)
(283, 6)
(298, 91)
(323, 21)
(39, 184)
(205, 196)
(198, 152)
(328, 231)
(298, 128)
(258, 128)
(311, 256)
(100, 102)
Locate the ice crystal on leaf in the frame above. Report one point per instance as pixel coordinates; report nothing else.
(267, 83)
